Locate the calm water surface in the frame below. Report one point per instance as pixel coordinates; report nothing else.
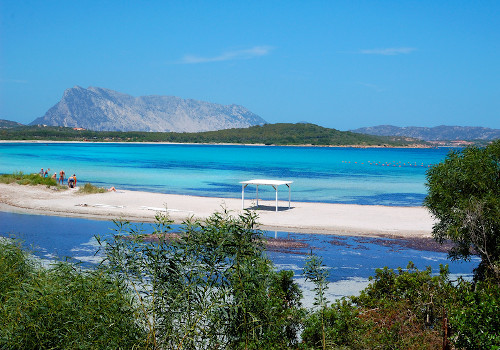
(333, 175)
(320, 174)
(350, 263)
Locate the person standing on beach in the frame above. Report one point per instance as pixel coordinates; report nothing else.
(54, 176)
(61, 176)
(41, 172)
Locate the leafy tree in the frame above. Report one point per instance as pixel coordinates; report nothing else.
(464, 197)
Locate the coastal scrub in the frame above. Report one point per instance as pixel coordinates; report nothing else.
(27, 179)
(62, 306)
(89, 188)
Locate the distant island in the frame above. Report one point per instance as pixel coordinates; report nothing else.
(99, 114)
(268, 134)
(103, 109)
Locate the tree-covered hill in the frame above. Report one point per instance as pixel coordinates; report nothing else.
(9, 124)
(269, 134)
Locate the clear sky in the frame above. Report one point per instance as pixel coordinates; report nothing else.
(339, 64)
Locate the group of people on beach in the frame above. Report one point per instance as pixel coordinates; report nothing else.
(71, 179)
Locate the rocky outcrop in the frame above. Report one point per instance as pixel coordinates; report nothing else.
(101, 109)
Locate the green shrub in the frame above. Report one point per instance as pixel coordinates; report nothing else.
(63, 307)
(475, 316)
(211, 287)
(89, 188)
(27, 179)
(400, 309)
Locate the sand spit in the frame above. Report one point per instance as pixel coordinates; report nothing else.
(326, 218)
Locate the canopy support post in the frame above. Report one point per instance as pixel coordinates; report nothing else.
(243, 196)
(276, 189)
(289, 195)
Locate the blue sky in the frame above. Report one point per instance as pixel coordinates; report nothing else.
(339, 64)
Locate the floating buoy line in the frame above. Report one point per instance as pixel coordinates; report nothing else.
(390, 164)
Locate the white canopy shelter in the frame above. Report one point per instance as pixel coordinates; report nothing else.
(273, 183)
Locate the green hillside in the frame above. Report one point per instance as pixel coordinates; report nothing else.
(9, 124)
(269, 134)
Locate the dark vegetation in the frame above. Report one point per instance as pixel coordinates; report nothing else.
(214, 288)
(269, 134)
(464, 195)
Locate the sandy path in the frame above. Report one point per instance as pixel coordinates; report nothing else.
(140, 206)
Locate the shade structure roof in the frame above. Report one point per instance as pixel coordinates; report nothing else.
(257, 182)
(266, 182)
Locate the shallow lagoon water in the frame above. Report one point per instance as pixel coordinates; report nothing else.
(351, 260)
(320, 174)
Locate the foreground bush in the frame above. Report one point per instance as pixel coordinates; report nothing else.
(209, 286)
(410, 309)
(475, 316)
(400, 309)
(62, 307)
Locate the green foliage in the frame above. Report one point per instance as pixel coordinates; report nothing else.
(464, 196)
(210, 286)
(399, 310)
(269, 134)
(15, 267)
(339, 325)
(89, 188)
(27, 179)
(475, 316)
(62, 307)
(315, 271)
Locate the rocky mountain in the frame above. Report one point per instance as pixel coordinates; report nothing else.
(101, 109)
(4, 124)
(437, 133)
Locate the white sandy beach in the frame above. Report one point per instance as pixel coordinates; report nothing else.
(362, 220)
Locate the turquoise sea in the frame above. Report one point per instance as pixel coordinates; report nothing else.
(334, 175)
(379, 176)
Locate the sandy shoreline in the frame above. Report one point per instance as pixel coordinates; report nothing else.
(326, 218)
(214, 144)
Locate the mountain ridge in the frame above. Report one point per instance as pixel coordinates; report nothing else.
(437, 133)
(103, 109)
